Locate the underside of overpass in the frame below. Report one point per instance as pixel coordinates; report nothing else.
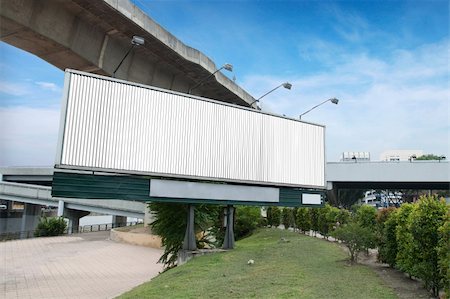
(93, 36)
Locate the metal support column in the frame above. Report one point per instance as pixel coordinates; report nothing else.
(189, 237)
(228, 242)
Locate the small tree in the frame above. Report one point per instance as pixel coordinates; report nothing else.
(388, 247)
(405, 254)
(287, 218)
(343, 216)
(303, 219)
(365, 216)
(381, 235)
(323, 223)
(444, 255)
(276, 216)
(355, 238)
(53, 226)
(424, 221)
(247, 219)
(314, 218)
(332, 218)
(170, 225)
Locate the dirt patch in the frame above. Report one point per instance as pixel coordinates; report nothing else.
(403, 286)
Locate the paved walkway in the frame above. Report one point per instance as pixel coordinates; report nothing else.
(80, 266)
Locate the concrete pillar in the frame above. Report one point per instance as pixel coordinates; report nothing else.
(74, 219)
(118, 221)
(228, 242)
(30, 219)
(189, 237)
(60, 208)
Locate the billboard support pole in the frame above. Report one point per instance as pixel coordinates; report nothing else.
(189, 237)
(228, 242)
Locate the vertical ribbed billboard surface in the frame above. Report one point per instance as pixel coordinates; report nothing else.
(117, 126)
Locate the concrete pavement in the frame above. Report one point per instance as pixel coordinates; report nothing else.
(80, 266)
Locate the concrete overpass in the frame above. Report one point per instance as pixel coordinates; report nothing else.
(425, 175)
(32, 186)
(93, 36)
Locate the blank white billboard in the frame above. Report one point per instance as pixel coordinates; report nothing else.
(118, 126)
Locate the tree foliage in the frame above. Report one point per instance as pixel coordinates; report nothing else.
(53, 226)
(444, 254)
(386, 236)
(287, 217)
(247, 219)
(405, 254)
(366, 216)
(424, 222)
(314, 218)
(273, 216)
(429, 157)
(303, 219)
(355, 237)
(170, 225)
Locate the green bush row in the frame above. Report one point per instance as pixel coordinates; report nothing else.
(415, 239)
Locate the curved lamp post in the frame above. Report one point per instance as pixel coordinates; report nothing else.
(226, 66)
(332, 100)
(136, 41)
(286, 85)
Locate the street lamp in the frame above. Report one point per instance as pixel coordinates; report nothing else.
(286, 85)
(136, 41)
(332, 100)
(226, 66)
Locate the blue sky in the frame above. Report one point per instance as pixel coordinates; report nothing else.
(387, 62)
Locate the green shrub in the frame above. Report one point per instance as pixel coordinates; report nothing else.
(424, 221)
(343, 216)
(444, 255)
(355, 238)
(314, 218)
(303, 219)
(332, 218)
(323, 225)
(365, 216)
(247, 219)
(287, 218)
(387, 239)
(170, 225)
(405, 254)
(53, 226)
(275, 216)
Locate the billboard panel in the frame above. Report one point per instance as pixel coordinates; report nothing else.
(117, 126)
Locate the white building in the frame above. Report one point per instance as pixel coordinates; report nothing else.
(400, 155)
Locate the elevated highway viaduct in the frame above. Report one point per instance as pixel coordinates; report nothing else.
(93, 36)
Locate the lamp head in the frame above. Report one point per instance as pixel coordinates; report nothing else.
(228, 67)
(334, 101)
(137, 40)
(287, 85)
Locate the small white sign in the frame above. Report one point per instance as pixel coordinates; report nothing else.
(311, 199)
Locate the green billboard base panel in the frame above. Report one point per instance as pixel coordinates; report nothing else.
(137, 188)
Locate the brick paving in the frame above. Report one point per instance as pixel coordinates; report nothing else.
(80, 266)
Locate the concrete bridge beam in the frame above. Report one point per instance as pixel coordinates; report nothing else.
(93, 36)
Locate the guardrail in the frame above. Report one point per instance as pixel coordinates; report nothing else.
(74, 230)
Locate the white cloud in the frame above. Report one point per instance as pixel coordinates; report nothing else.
(49, 86)
(400, 102)
(28, 136)
(15, 89)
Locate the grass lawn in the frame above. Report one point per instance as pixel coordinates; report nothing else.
(304, 267)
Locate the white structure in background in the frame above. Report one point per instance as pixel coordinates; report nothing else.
(400, 155)
(355, 156)
(382, 199)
